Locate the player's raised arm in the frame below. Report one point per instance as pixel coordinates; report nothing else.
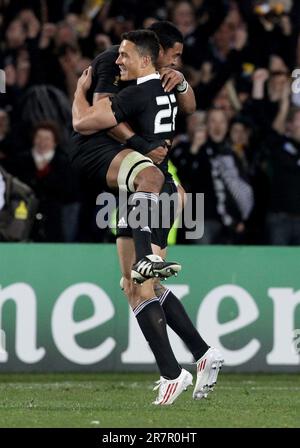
(173, 79)
(89, 119)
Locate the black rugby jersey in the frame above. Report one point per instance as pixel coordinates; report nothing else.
(150, 111)
(105, 79)
(105, 73)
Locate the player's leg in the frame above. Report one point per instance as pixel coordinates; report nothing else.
(177, 318)
(151, 320)
(208, 359)
(175, 313)
(130, 171)
(148, 312)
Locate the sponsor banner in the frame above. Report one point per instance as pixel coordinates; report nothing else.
(61, 308)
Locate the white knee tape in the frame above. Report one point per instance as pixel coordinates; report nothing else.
(131, 165)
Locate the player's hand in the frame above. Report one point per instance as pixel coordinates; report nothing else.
(85, 80)
(170, 78)
(158, 154)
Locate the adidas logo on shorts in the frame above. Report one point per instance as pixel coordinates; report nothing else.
(146, 229)
(122, 222)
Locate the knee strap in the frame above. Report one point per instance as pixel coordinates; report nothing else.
(130, 167)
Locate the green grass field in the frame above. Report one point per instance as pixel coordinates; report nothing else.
(124, 400)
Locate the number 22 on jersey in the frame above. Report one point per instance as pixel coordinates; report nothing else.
(169, 112)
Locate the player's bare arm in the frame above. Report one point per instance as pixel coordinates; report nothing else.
(173, 79)
(89, 119)
(122, 132)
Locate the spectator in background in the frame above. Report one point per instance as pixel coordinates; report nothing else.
(282, 144)
(15, 57)
(46, 169)
(228, 196)
(216, 70)
(58, 60)
(18, 207)
(268, 88)
(279, 75)
(271, 30)
(239, 139)
(45, 11)
(244, 145)
(184, 154)
(72, 64)
(5, 139)
(15, 37)
(281, 153)
(226, 100)
(197, 25)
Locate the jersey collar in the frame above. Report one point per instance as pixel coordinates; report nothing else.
(147, 78)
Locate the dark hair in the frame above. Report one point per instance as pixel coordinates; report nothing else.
(67, 48)
(244, 120)
(146, 42)
(49, 126)
(167, 33)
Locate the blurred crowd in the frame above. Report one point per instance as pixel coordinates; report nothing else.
(239, 56)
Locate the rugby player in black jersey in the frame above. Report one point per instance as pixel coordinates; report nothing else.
(175, 313)
(125, 169)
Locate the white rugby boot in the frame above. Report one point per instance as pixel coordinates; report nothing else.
(169, 390)
(208, 368)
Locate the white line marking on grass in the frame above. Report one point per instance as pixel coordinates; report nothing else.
(135, 385)
(259, 387)
(75, 385)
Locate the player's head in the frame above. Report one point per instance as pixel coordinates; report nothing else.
(171, 43)
(138, 54)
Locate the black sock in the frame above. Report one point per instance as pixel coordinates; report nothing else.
(152, 322)
(179, 321)
(142, 204)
